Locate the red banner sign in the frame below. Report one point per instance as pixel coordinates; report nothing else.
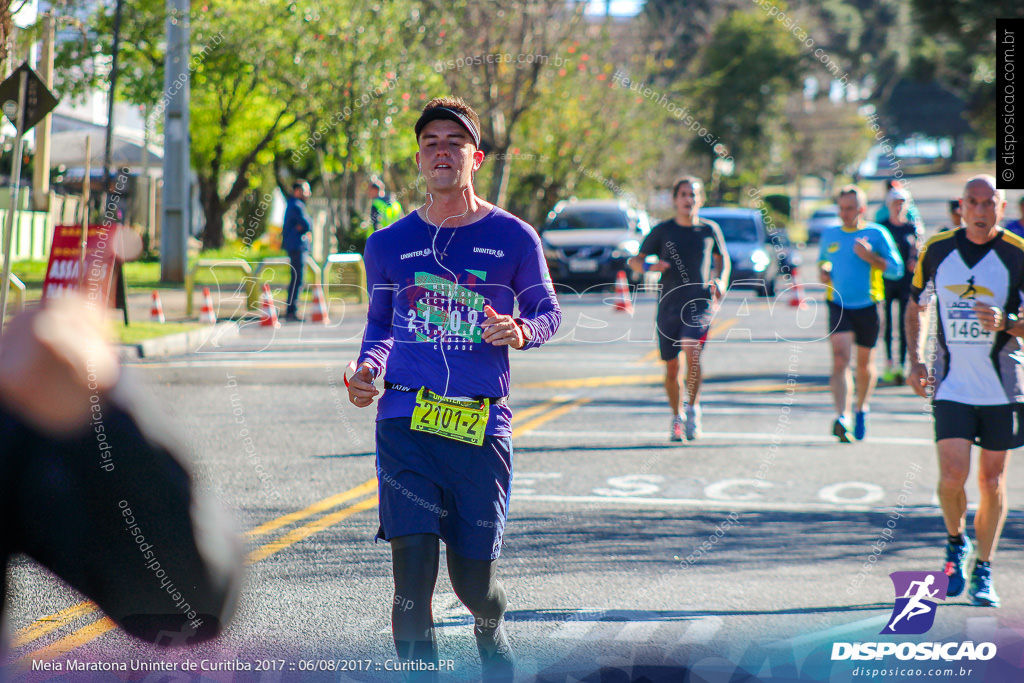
(69, 272)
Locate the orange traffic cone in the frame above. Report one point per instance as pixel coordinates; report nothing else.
(268, 311)
(798, 300)
(319, 306)
(156, 311)
(206, 314)
(622, 300)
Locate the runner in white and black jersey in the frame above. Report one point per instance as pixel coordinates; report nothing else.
(976, 273)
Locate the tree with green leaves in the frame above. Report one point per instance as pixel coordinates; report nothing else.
(497, 56)
(746, 72)
(956, 46)
(264, 77)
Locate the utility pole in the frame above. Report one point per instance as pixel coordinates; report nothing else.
(41, 170)
(176, 200)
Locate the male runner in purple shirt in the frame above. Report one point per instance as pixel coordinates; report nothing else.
(443, 281)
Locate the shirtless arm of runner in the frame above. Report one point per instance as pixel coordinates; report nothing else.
(918, 379)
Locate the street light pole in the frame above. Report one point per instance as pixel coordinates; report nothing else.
(176, 200)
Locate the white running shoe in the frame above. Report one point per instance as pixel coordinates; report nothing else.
(693, 428)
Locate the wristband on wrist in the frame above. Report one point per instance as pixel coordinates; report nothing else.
(1010, 321)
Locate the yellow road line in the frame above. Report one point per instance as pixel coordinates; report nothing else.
(654, 355)
(775, 388)
(68, 643)
(82, 636)
(43, 625)
(610, 381)
(87, 634)
(367, 486)
(527, 413)
(721, 327)
(651, 356)
(308, 529)
(548, 416)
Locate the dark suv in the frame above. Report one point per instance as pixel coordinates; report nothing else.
(758, 259)
(588, 241)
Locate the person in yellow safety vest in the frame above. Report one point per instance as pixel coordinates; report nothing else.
(383, 209)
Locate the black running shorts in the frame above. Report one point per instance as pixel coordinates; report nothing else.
(994, 428)
(863, 322)
(681, 320)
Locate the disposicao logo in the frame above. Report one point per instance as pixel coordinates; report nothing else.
(916, 595)
(913, 614)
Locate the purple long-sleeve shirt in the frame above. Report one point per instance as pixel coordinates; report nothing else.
(423, 324)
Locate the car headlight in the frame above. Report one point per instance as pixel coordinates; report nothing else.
(760, 260)
(550, 252)
(626, 249)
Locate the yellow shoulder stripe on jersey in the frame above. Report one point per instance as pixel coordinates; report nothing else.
(1013, 238)
(918, 280)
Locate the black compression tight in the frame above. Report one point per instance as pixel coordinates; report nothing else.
(415, 560)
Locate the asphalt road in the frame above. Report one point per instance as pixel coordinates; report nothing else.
(745, 555)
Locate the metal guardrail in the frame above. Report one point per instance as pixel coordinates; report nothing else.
(344, 263)
(311, 265)
(249, 282)
(19, 287)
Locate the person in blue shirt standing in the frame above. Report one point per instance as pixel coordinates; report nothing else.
(855, 256)
(295, 241)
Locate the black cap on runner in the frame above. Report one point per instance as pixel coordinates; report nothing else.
(452, 115)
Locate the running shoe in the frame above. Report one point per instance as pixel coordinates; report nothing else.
(693, 429)
(889, 376)
(496, 659)
(860, 425)
(840, 431)
(956, 566)
(982, 592)
(677, 429)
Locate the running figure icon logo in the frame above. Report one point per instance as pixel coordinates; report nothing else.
(916, 593)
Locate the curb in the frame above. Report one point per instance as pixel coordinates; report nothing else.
(177, 344)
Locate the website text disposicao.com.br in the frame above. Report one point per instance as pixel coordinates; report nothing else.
(912, 673)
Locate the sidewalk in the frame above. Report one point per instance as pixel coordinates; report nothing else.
(229, 306)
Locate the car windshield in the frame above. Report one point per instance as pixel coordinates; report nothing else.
(736, 228)
(589, 219)
(825, 213)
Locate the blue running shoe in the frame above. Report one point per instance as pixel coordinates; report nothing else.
(982, 592)
(693, 428)
(860, 425)
(956, 566)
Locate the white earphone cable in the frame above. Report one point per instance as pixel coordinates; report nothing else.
(454, 280)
